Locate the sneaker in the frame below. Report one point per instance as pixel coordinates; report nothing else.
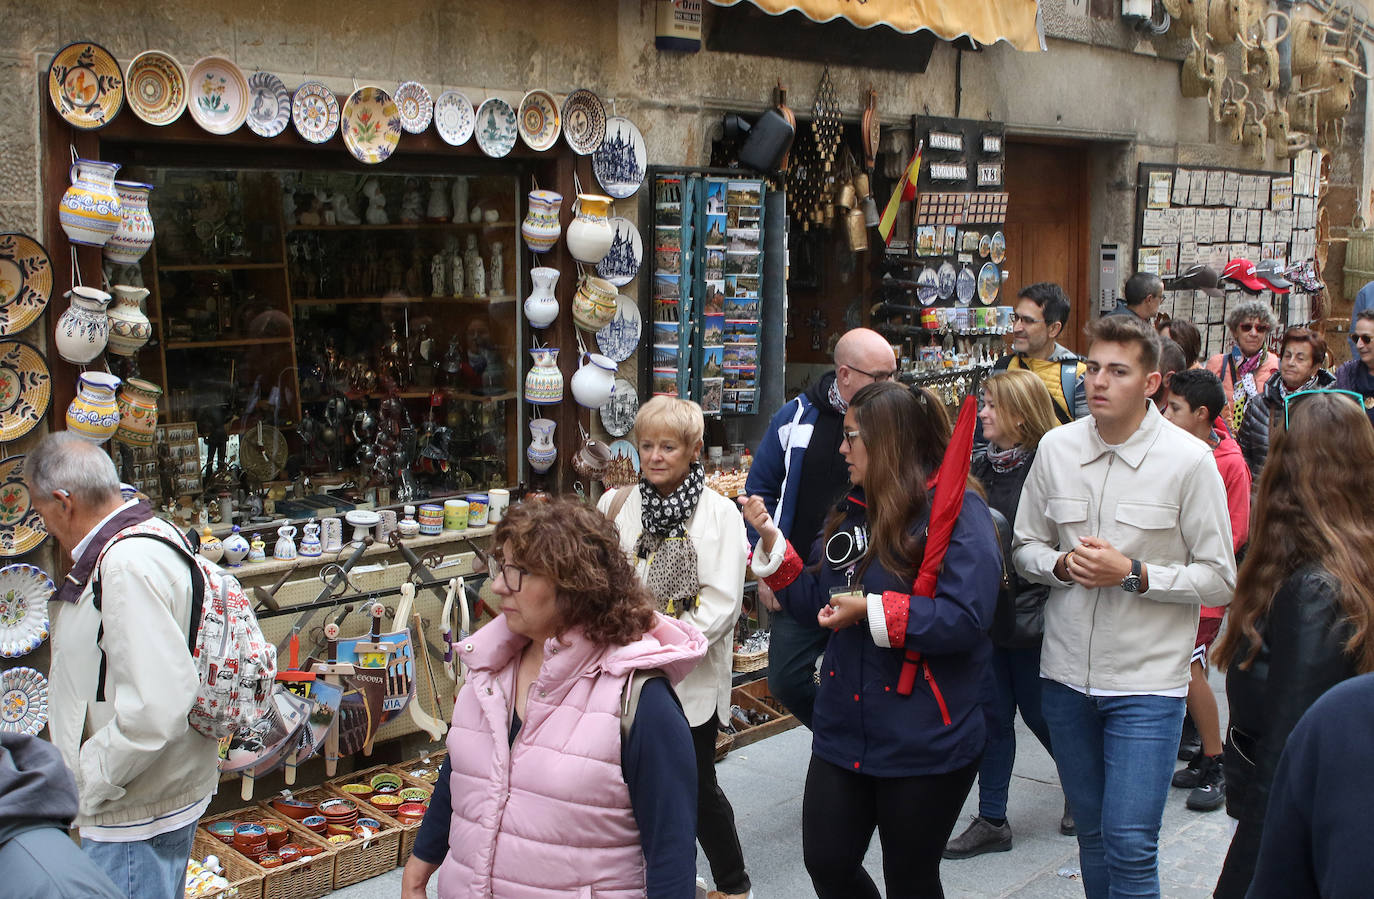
(981, 836)
(1187, 778)
(1210, 792)
(1066, 825)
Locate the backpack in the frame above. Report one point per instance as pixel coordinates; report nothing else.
(236, 664)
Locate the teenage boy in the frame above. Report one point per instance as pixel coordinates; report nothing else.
(1195, 400)
(1124, 517)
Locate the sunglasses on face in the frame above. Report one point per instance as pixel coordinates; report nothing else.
(1362, 338)
(1254, 326)
(1288, 401)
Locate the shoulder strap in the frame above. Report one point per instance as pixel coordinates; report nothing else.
(629, 702)
(618, 501)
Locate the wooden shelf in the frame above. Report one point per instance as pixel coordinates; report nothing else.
(404, 301)
(209, 344)
(403, 226)
(223, 267)
(449, 392)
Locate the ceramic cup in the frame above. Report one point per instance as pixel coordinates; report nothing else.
(331, 535)
(498, 500)
(431, 519)
(386, 525)
(477, 510)
(455, 515)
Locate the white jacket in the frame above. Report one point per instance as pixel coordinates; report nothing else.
(134, 755)
(717, 532)
(1157, 498)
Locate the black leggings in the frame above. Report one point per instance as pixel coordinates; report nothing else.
(716, 818)
(914, 817)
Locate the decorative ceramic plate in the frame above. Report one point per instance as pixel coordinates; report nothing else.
(620, 338)
(540, 123)
(85, 85)
(927, 286)
(949, 277)
(416, 106)
(985, 246)
(25, 282)
(315, 112)
(584, 121)
(269, 105)
(371, 125)
(621, 263)
(999, 247)
(454, 118)
(989, 283)
(21, 527)
(620, 161)
(218, 95)
(496, 127)
(966, 285)
(25, 389)
(23, 701)
(156, 84)
(618, 415)
(624, 449)
(24, 592)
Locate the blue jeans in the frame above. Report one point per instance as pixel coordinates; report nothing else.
(792, 651)
(1115, 756)
(147, 869)
(1016, 684)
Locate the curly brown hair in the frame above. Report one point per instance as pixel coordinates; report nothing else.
(578, 548)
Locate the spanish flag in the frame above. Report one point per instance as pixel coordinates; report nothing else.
(904, 192)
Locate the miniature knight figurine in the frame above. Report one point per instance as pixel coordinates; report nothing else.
(497, 270)
(460, 199)
(436, 275)
(477, 275)
(438, 209)
(376, 203)
(410, 202)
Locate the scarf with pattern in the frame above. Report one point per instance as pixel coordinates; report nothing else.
(836, 401)
(1243, 386)
(1006, 460)
(672, 575)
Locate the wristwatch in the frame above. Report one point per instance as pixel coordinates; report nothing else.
(1131, 582)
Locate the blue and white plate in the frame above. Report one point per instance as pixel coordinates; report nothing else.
(621, 159)
(619, 339)
(621, 263)
(24, 594)
(496, 127)
(618, 415)
(454, 118)
(949, 277)
(23, 701)
(927, 286)
(624, 449)
(966, 285)
(269, 104)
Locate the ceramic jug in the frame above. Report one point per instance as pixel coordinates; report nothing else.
(211, 547)
(544, 383)
(93, 414)
(590, 234)
(310, 539)
(129, 326)
(541, 452)
(83, 330)
(257, 549)
(137, 404)
(540, 227)
(134, 235)
(541, 306)
(285, 549)
(90, 212)
(236, 549)
(594, 304)
(594, 381)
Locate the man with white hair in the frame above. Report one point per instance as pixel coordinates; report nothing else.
(123, 679)
(800, 474)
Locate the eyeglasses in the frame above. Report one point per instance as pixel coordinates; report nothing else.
(875, 375)
(851, 436)
(1253, 326)
(1288, 401)
(514, 576)
(1362, 338)
(1027, 320)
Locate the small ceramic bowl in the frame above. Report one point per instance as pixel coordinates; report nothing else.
(289, 853)
(222, 831)
(339, 838)
(381, 782)
(338, 808)
(411, 810)
(271, 861)
(296, 809)
(336, 829)
(316, 823)
(387, 802)
(429, 775)
(414, 794)
(370, 822)
(311, 850)
(357, 791)
(364, 833)
(250, 832)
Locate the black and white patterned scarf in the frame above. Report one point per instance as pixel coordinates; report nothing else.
(1006, 460)
(672, 574)
(836, 401)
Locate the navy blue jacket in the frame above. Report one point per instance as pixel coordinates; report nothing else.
(861, 723)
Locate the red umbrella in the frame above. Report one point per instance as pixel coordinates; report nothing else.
(945, 504)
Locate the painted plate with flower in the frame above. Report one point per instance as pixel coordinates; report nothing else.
(156, 84)
(622, 158)
(454, 118)
(416, 106)
(21, 527)
(371, 125)
(315, 112)
(584, 121)
(25, 282)
(496, 127)
(24, 594)
(540, 122)
(218, 98)
(269, 105)
(85, 85)
(23, 701)
(25, 389)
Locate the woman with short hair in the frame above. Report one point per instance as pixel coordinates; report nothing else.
(1302, 353)
(1246, 368)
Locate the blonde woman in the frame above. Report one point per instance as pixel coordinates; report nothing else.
(1016, 412)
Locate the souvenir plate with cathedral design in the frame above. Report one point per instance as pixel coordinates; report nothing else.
(621, 159)
(621, 263)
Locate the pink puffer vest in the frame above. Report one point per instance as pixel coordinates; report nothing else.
(549, 816)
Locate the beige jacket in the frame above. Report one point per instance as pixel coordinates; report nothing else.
(1157, 498)
(134, 755)
(717, 531)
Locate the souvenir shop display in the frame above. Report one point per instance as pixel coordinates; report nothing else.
(621, 161)
(156, 86)
(315, 112)
(85, 85)
(218, 95)
(621, 263)
(584, 121)
(454, 118)
(134, 235)
(24, 594)
(415, 106)
(27, 270)
(23, 701)
(90, 213)
(496, 127)
(269, 104)
(371, 125)
(25, 389)
(540, 120)
(21, 527)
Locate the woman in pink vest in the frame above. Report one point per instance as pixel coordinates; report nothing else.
(546, 791)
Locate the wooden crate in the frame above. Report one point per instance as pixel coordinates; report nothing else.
(356, 860)
(306, 878)
(408, 831)
(244, 881)
(755, 696)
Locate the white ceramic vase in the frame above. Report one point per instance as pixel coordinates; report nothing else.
(541, 306)
(129, 327)
(84, 328)
(540, 227)
(594, 381)
(544, 382)
(134, 235)
(541, 452)
(590, 234)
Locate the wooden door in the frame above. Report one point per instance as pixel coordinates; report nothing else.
(1047, 226)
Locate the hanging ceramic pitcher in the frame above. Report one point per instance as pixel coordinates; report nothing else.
(134, 235)
(90, 211)
(128, 323)
(594, 304)
(83, 330)
(594, 381)
(541, 306)
(590, 234)
(137, 412)
(541, 452)
(540, 227)
(94, 414)
(544, 383)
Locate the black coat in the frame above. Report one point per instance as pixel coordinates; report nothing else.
(1264, 418)
(1301, 656)
(1019, 622)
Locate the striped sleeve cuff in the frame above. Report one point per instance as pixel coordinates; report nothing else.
(887, 617)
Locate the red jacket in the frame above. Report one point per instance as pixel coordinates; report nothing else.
(1235, 474)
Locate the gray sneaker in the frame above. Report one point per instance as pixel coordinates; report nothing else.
(980, 837)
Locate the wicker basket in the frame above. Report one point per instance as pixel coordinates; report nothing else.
(244, 881)
(356, 861)
(307, 878)
(751, 661)
(408, 831)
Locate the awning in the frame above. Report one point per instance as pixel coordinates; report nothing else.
(986, 21)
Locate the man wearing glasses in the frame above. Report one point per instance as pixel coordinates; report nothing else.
(800, 474)
(1357, 375)
(1042, 311)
